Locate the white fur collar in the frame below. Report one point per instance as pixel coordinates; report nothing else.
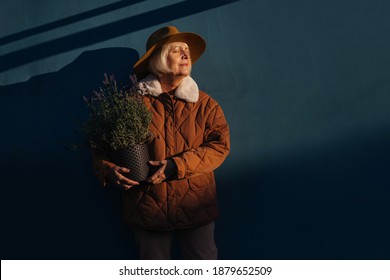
(187, 90)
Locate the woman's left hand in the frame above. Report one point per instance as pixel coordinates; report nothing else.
(165, 169)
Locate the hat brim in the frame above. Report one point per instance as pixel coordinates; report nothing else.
(196, 44)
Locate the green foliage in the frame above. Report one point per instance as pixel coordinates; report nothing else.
(118, 118)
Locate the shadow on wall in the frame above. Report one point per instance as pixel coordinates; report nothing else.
(68, 20)
(328, 202)
(54, 207)
(100, 33)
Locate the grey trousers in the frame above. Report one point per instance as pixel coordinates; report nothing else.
(195, 243)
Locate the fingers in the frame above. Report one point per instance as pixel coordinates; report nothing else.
(122, 180)
(116, 176)
(127, 187)
(159, 175)
(158, 163)
(122, 169)
(157, 178)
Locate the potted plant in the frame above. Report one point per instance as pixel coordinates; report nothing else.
(118, 125)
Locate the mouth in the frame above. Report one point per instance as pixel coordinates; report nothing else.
(183, 64)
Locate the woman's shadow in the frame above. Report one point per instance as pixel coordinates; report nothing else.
(56, 209)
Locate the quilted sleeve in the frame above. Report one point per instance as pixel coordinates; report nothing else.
(211, 153)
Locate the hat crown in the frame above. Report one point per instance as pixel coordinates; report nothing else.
(161, 34)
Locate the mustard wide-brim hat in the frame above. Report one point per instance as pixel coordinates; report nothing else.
(166, 35)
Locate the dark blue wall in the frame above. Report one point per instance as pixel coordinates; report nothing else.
(305, 86)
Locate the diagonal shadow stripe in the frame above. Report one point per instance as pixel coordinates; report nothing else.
(106, 32)
(58, 23)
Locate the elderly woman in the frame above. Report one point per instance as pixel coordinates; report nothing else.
(191, 139)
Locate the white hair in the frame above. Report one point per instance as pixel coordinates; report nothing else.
(158, 62)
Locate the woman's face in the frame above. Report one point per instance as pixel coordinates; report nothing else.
(179, 60)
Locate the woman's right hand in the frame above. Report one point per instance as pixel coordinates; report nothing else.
(116, 175)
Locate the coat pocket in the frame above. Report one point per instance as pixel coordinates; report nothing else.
(202, 182)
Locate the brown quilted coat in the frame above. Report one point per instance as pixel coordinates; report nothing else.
(196, 136)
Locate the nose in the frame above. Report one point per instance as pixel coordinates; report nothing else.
(185, 54)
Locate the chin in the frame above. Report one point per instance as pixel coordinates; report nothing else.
(183, 75)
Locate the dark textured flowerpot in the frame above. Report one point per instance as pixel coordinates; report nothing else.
(134, 158)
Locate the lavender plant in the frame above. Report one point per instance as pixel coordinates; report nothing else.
(118, 118)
